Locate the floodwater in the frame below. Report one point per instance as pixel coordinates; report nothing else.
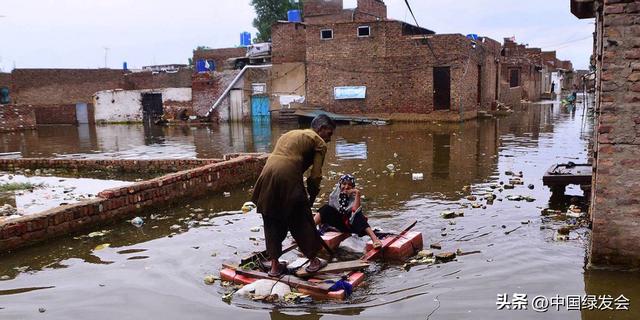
(157, 271)
(49, 191)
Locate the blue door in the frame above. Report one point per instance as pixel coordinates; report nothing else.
(260, 108)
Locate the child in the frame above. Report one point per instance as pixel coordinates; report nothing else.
(344, 211)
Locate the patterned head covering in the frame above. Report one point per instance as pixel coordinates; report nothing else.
(349, 179)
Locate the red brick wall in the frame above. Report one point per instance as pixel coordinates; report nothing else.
(148, 80)
(62, 86)
(397, 70)
(5, 81)
(616, 183)
(322, 7)
(121, 203)
(15, 118)
(374, 8)
(207, 88)
(289, 42)
(116, 166)
(218, 55)
(55, 114)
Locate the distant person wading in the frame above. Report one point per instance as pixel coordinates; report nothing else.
(281, 197)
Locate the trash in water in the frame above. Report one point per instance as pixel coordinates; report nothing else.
(248, 206)
(226, 194)
(255, 229)
(451, 214)
(417, 176)
(210, 279)
(137, 222)
(98, 233)
(102, 246)
(425, 254)
(391, 167)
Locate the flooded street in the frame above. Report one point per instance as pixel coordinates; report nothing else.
(157, 271)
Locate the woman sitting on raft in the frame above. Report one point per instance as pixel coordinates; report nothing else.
(344, 211)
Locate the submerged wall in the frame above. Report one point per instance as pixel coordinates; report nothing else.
(121, 203)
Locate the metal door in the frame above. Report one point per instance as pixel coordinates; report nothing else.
(235, 114)
(152, 106)
(259, 106)
(82, 113)
(441, 88)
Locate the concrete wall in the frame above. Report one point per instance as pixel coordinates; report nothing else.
(16, 118)
(121, 203)
(616, 183)
(288, 85)
(126, 105)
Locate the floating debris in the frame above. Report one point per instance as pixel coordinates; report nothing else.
(255, 229)
(137, 222)
(98, 233)
(102, 246)
(425, 254)
(211, 279)
(226, 194)
(248, 206)
(445, 257)
(417, 176)
(436, 246)
(451, 214)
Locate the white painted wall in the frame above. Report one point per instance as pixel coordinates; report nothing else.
(126, 105)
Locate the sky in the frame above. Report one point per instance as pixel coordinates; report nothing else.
(88, 33)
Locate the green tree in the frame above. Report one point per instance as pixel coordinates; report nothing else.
(268, 12)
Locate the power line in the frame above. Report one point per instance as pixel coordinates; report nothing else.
(418, 25)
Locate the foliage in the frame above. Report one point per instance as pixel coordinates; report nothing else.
(268, 12)
(15, 186)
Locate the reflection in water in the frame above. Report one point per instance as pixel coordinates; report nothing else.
(441, 155)
(351, 150)
(169, 278)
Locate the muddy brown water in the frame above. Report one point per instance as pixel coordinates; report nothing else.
(148, 273)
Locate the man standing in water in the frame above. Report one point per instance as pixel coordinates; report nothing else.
(281, 197)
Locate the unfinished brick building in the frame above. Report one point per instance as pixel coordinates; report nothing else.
(522, 68)
(616, 181)
(400, 71)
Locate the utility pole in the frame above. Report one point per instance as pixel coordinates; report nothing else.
(106, 53)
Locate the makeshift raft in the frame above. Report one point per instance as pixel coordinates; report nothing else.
(396, 247)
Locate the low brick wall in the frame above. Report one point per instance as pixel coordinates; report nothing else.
(122, 166)
(15, 118)
(511, 96)
(121, 203)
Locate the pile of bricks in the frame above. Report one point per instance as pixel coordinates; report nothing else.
(16, 118)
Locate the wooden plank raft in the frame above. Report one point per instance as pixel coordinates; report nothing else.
(292, 281)
(336, 267)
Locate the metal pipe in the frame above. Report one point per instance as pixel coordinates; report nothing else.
(235, 80)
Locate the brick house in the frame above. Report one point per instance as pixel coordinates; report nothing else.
(522, 68)
(616, 181)
(399, 71)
